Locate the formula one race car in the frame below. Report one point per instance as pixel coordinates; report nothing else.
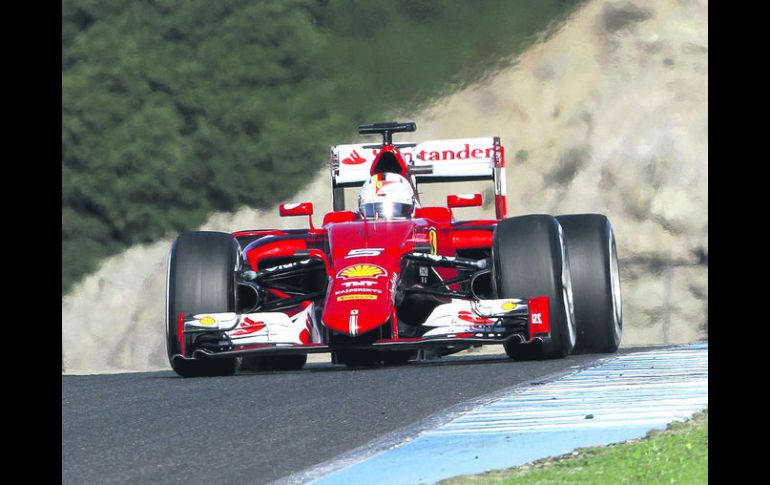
(394, 280)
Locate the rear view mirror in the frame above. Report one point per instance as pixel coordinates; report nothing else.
(296, 209)
(463, 200)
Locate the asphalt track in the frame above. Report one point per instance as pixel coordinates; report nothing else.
(254, 428)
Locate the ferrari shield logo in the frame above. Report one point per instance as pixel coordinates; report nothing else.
(433, 241)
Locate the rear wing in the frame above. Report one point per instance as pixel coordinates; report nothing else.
(456, 160)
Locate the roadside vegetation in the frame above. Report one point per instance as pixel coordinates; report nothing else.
(174, 109)
(678, 454)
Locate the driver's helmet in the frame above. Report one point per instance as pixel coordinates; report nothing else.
(387, 195)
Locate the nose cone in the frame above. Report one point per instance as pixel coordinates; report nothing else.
(366, 257)
(359, 300)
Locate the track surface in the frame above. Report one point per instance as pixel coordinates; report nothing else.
(253, 428)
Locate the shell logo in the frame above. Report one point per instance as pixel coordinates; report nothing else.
(362, 271)
(509, 305)
(208, 320)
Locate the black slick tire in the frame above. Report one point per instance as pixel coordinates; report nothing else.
(595, 282)
(201, 278)
(528, 260)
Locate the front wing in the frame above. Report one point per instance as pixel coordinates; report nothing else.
(460, 322)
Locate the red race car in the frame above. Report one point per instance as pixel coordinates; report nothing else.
(393, 280)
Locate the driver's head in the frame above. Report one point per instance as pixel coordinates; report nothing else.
(387, 196)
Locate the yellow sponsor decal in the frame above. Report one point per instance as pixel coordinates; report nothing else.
(361, 271)
(509, 305)
(356, 297)
(208, 320)
(433, 240)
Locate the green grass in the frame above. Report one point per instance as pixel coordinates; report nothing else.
(678, 454)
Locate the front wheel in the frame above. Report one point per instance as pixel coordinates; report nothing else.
(200, 279)
(529, 259)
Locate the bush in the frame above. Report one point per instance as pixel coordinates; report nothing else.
(174, 109)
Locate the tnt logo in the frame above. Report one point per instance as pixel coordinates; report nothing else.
(537, 319)
(367, 284)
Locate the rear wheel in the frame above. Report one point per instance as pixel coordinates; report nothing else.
(595, 281)
(201, 279)
(529, 259)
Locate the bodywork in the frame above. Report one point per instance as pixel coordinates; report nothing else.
(385, 285)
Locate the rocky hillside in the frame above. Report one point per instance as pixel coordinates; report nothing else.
(608, 114)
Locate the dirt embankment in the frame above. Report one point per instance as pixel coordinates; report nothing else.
(609, 114)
